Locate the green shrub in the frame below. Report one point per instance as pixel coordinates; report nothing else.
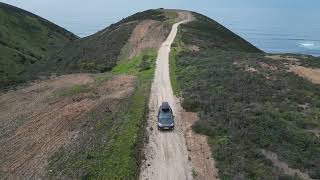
(91, 66)
(146, 63)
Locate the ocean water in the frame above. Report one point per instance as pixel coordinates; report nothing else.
(286, 30)
(286, 26)
(283, 30)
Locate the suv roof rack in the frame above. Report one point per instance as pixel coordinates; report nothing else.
(165, 105)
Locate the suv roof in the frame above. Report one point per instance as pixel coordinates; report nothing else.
(165, 105)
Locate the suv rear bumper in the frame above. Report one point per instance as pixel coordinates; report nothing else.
(166, 128)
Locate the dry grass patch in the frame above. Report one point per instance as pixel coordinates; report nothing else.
(268, 66)
(279, 57)
(193, 48)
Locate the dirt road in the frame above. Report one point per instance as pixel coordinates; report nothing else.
(166, 152)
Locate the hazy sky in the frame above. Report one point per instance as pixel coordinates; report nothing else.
(273, 25)
(100, 13)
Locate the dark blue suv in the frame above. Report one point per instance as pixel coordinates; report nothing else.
(165, 117)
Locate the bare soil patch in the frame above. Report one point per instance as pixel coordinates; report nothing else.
(36, 122)
(120, 26)
(118, 87)
(15, 106)
(147, 34)
(151, 34)
(268, 66)
(183, 15)
(310, 74)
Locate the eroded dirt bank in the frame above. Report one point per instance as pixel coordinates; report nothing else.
(203, 164)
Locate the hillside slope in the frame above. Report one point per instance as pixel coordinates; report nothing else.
(101, 51)
(260, 112)
(80, 125)
(26, 39)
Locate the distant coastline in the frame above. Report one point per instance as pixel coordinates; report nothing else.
(272, 29)
(267, 41)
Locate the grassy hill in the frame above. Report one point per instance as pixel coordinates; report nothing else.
(100, 51)
(33, 47)
(26, 39)
(248, 104)
(112, 148)
(87, 126)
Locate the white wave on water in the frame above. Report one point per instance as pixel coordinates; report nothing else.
(314, 45)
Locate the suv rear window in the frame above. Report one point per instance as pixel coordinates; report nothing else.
(165, 114)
